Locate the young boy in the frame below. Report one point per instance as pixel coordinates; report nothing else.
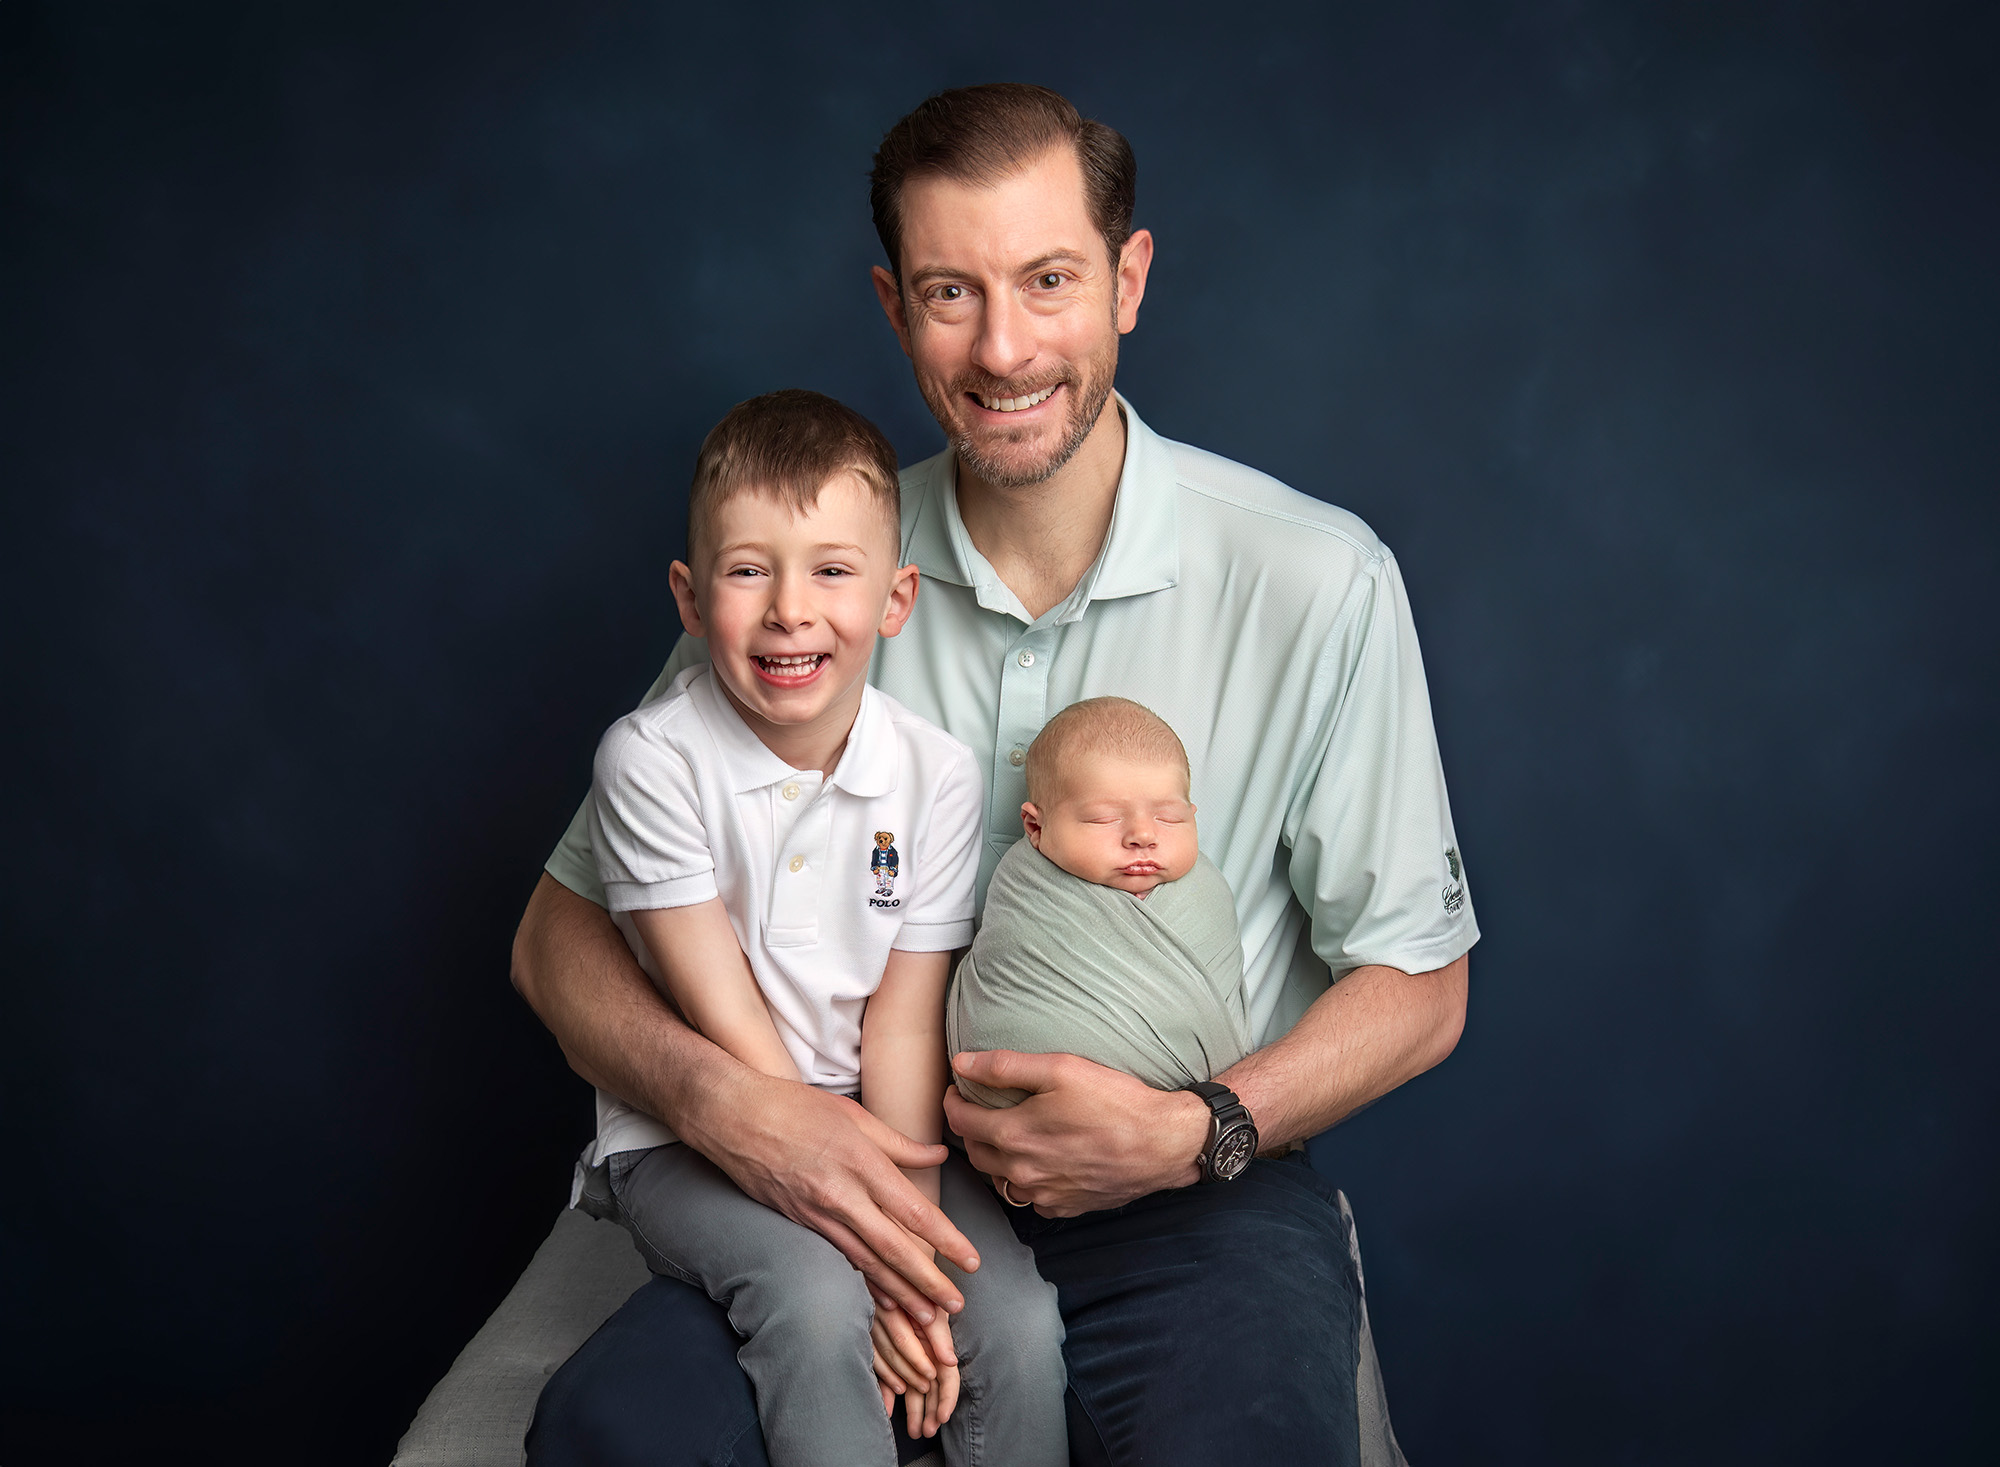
(791, 855)
(1107, 934)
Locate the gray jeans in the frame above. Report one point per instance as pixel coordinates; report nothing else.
(803, 1313)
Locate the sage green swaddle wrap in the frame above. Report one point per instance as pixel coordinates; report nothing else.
(1063, 966)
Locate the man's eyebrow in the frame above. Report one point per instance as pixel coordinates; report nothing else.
(1055, 257)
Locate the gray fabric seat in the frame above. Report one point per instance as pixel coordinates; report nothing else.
(478, 1415)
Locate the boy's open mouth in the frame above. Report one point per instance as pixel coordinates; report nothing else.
(791, 670)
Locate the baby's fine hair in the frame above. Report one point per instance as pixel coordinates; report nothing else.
(1105, 726)
(787, 444)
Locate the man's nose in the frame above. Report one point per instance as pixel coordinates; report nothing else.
(1006, 343)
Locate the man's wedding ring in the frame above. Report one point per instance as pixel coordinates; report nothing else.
(1008, 1197)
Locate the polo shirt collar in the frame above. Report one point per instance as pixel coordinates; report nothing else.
(867, 766)
(1141, 553)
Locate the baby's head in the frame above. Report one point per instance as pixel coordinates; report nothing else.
(793, 541)
(1108, 796)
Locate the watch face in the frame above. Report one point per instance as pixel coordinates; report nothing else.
(1233, 1150)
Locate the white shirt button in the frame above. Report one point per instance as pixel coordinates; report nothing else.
(798, 863)
(791, 792)
(1018, 757)
(1026, 659)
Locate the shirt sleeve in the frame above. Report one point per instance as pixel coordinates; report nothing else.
(645, 822)
(573, 863)
(1375, 861)
(944, 868)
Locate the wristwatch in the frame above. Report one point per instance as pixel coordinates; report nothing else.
(1232, 1135)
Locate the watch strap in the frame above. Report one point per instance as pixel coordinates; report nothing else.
(1226, 1115)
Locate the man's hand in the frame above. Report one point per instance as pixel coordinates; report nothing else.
(829, 1165)
(1086, 1138)
(822, 1161)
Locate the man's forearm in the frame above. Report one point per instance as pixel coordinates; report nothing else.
(821, 1160)
(1091, 1138)
(1370, 1032)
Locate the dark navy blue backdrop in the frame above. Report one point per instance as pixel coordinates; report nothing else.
(355, 356)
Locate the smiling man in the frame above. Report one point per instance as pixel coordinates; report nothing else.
(1213, 1308)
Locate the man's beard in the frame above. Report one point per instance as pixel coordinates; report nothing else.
(1086, 393)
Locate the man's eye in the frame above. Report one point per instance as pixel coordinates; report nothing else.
(949, 293)
(1049, 280)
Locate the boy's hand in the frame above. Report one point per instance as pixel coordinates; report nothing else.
(902, 1360)
(920, 1365)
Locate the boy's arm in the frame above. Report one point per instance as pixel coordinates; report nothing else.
(903, 1075)
(903, 1071)
(709, 979)
(822, 1161)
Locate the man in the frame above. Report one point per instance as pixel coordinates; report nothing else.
(1069, 552)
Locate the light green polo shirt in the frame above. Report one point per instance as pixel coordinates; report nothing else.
(1272, 632)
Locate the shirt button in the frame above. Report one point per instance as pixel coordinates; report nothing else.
(798, 863)
(1026, 659)
(1017, 757)
(791, 792)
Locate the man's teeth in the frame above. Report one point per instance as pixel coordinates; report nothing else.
(1015, 404)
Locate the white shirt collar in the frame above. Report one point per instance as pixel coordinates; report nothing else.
(867, 766)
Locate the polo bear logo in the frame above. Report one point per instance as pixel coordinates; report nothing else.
(882, 864)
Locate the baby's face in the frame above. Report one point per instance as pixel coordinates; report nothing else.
(1117, 822)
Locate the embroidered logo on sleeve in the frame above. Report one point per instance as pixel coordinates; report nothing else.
(1454, 895)
(883, 864)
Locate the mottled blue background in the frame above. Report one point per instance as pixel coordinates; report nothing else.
(355, 356)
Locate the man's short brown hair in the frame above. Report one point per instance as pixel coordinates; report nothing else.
(980, 135)
(787, 445)
(1115, 726)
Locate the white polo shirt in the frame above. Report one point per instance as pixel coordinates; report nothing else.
(1272, 631)
(822, 875)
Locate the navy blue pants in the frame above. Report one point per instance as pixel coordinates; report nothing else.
(1209, 1324)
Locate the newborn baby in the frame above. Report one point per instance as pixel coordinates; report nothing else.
(1107, 934)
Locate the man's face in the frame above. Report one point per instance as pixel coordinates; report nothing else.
(1010, 309)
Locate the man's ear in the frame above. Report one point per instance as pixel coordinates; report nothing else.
(681, 579)
(1031, 822)
(1134, 261)
(890, 293)
(902, 601)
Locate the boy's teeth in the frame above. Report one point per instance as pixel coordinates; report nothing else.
(1015, 404)
(810, 659)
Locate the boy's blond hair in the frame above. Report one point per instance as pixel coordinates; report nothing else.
(1100, 725)
(787, 445)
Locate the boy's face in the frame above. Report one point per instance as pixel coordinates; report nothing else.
(791, 605)
(1117, 822)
